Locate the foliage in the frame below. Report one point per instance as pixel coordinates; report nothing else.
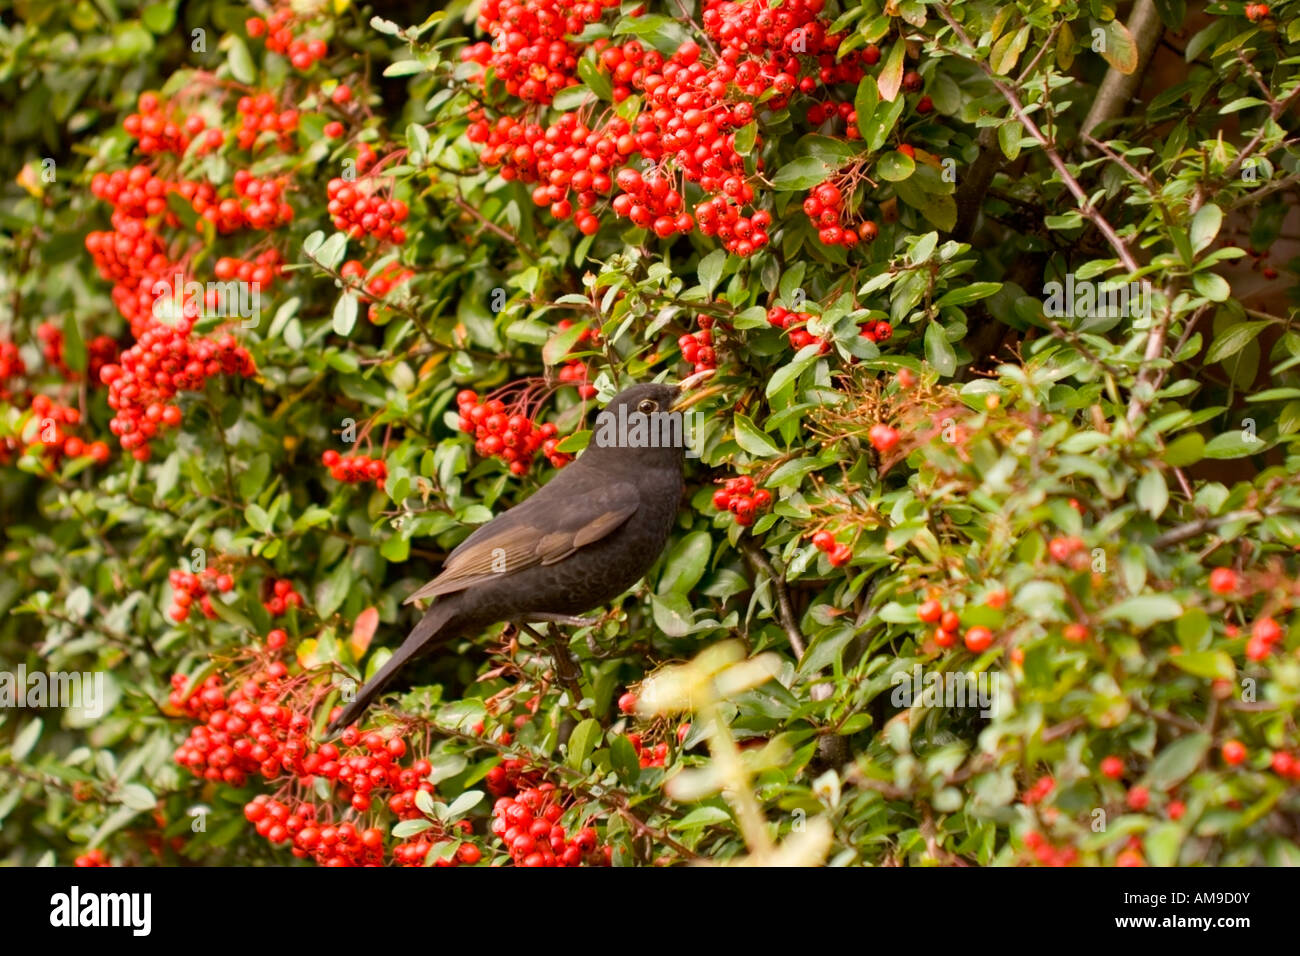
(856, 220)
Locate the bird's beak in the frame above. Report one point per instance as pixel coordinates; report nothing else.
(687, 398)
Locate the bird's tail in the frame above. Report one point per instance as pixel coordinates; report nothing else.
(433, 628)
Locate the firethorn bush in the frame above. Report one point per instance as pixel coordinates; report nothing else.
(999, 304)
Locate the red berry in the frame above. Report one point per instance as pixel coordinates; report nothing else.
(978, 639)
(1223, 580)
(1234, 752)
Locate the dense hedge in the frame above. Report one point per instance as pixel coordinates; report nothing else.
(926, 454)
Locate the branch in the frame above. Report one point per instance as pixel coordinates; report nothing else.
(785, 609)
(1193, 528)
(1049, 150)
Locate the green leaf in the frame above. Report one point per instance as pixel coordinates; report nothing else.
(745, 137)
(137, 797)
(623, 757)
(1213, 286)
(864, 104)
(709, 271)
(241, 64)
(686, 563)
(345, 313)
(562, 343)
(257, 518)
(1205, 226)
(1233, 339)
(1120, 49)
(158, 17)
(802, 173)
(74, 347)
(894, 166)
(1178, 760)
(1185, 450)
(1144, 610)
(890, 78)
(664, 34)
(1208, 664)
(968, 293)
(583, 741)
(26, 740)
(1153, 493)
(1006, 52)
(1234, 444)
(672, 614)
(752, 440)
(939, 351)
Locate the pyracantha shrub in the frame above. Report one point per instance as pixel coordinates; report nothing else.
(988, 548)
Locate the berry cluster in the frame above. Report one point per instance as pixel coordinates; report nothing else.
(824, 208)
(259, 272)
(819, 113)
(648, 755)
(266, 208)
(187, 587)
(1257, 11)
(328, 844)
(12, 367)
(767, 42)
(278, 29)
(742, 499)
(280, 596)
(530, 52)
(415, 852)
(514, 438)
(697, 347)
(721, 216)
(837, 552)
(651, 202)
(1069, 550)
(795, 324)
(528, 825)
(691, 108)
(1048, 855)
(99, 352)
(95, 857)
(1265, 634)
(45, 433)
(947, 624)
(260, 114)
(359, 211)
(163, 362)
(388, 279)
(354, 469)
(575, 372)
(878, 332)
(158, 134)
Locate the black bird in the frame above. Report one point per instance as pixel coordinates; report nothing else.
(581, 540)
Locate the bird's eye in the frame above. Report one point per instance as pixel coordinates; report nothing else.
(647, 406)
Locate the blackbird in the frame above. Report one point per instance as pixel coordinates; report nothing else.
(581, 540)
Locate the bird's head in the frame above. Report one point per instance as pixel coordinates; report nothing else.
(643, 426)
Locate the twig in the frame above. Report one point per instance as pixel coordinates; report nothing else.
(785, 609)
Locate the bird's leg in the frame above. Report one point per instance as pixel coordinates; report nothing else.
(567, 669)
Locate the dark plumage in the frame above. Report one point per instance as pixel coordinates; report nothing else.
(587, 536)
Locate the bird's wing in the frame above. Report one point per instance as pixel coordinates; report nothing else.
(538, 531)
